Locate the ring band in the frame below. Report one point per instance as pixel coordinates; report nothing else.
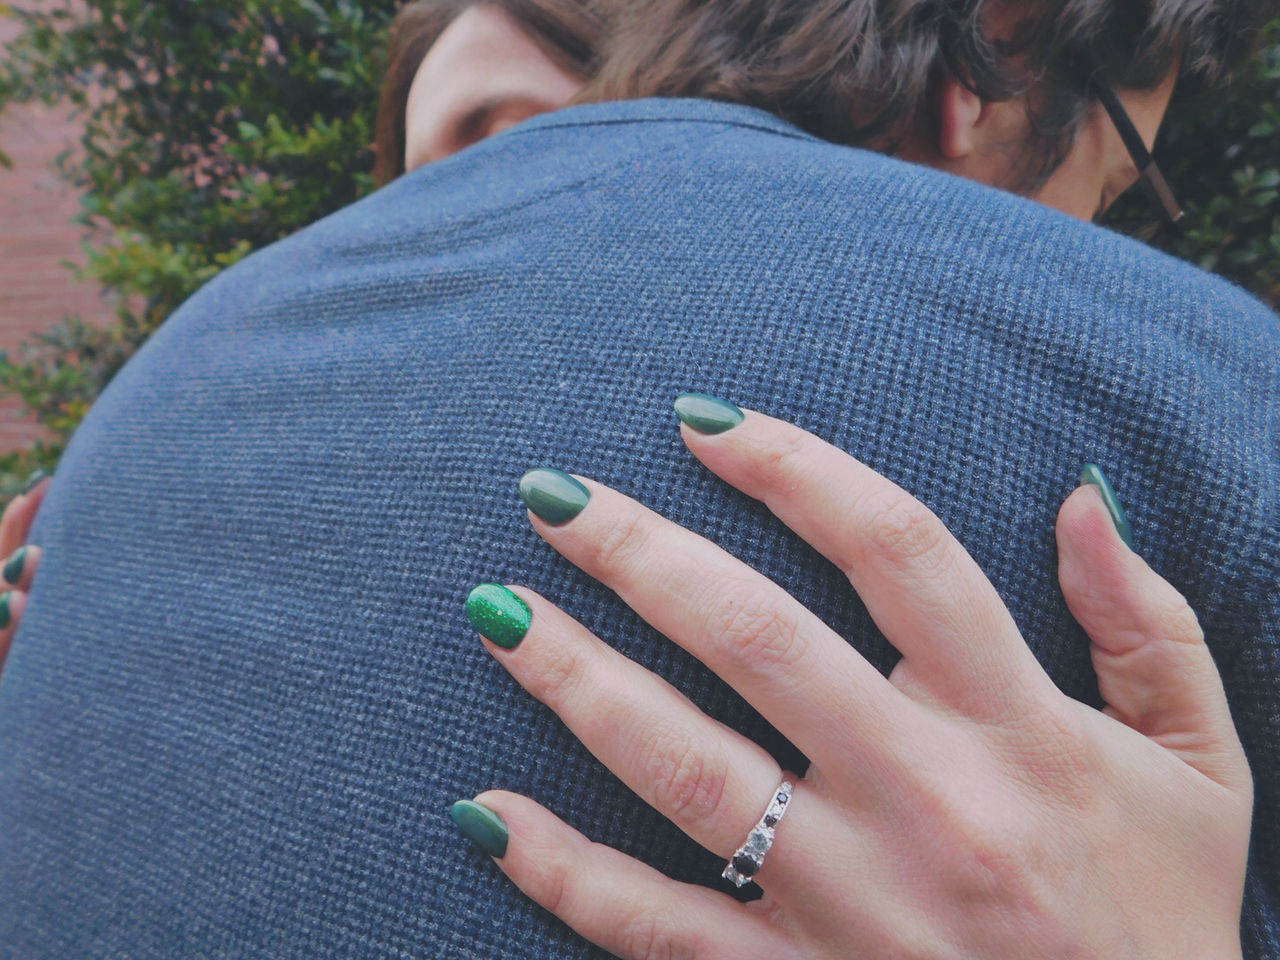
(749, 858)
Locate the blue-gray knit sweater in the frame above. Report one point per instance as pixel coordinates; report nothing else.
(246, 692)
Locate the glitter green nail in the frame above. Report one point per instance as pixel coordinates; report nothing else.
(499, 615)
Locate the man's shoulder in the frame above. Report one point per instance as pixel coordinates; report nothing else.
(686, 182)
(698, 173)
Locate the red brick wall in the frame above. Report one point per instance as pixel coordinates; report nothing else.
(36, 235)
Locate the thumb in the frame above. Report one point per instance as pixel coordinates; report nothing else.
(1154, 669)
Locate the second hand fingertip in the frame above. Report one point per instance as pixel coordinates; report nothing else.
(34, 481)
(12, 571)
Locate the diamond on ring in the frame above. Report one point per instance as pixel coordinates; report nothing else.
(749, 858)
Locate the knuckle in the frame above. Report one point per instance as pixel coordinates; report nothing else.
(687, 781)
(648, 936)
(616, 551)
(902, 531)
(558, 881)
(1176, 621)
(557, 886)
(754, 635)
(1053, 752)
(781, 464)
(1001, 869)
(558, 676)
(991, 861)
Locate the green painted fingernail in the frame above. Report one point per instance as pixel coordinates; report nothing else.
(5, 614)
(482, 826)
(499, 615)
(13, 566)
(33, 480)
(553, 495)
(1093, 474)
(707, 414)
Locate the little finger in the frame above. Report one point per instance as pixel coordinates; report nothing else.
(613, 900)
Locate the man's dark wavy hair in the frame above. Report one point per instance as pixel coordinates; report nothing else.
(857, 71)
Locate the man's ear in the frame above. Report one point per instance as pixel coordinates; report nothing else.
(960, 111)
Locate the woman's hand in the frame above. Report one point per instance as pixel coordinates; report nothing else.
(20, 561)
(963, 807)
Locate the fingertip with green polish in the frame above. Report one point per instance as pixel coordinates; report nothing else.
(553, 495)
(6, 613)
(499, 615)
(481, 826)
(707, 414)
(13, 566)
(1092, 474)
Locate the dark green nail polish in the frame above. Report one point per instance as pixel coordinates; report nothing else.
(5, 614)
(1093, 474)
(13, 566)
(553, 495)
(33, 480)
(499, 615)
(707, 414)
(482, 826)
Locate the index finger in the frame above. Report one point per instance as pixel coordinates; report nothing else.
(927, 595)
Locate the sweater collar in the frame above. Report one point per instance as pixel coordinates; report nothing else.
(663, 110)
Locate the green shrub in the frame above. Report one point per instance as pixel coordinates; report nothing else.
(212, 129)
(215, 128)
(1221, 154)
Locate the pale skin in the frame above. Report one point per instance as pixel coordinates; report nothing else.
(961, 807)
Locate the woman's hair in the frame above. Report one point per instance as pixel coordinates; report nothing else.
(858, 71)
(570, 32)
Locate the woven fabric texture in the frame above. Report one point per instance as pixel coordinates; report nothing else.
(246, 692)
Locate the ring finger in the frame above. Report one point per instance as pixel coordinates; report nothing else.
(713, 783)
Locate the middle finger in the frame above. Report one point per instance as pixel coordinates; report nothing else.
(797, 672)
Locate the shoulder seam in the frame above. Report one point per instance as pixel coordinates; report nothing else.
(761, 127)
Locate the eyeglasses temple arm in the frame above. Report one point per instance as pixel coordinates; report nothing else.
(1150, 173)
